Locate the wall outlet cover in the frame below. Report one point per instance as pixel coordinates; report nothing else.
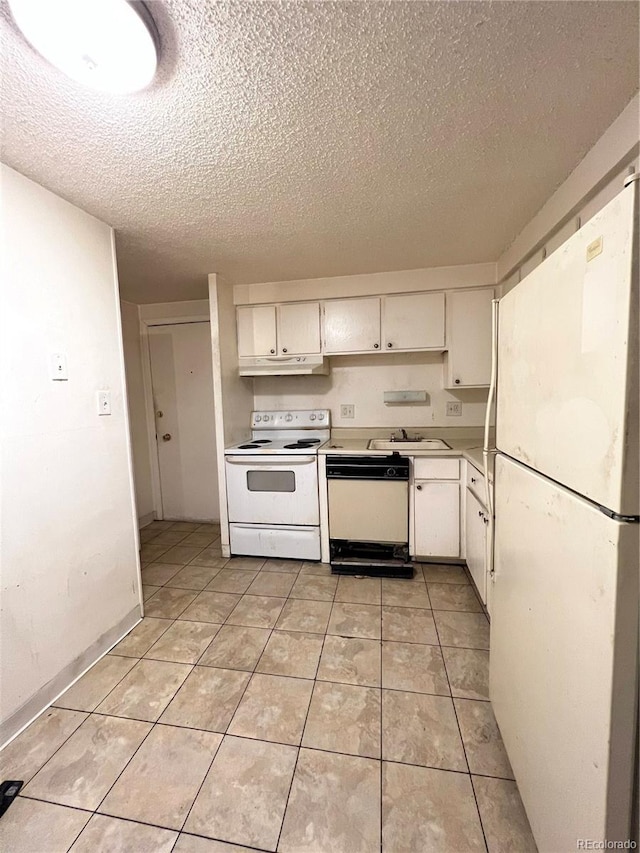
(454, 408)
(347, 411)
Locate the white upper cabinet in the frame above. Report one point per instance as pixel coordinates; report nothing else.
(292, 329)
(256, 330)
(352, 325)
(468, 363)
(413, 321)
(299, 328)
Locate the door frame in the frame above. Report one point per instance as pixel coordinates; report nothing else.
(149, 408)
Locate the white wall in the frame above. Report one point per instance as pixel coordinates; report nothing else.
(362, 379)
(597, 179)
(137, 415)
(233, 394)
(70, 572)
(399, 281)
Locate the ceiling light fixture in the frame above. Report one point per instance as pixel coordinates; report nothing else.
(109, 45)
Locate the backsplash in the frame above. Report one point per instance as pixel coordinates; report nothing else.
(361, 380)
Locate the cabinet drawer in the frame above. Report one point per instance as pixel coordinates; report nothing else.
(475, 479)
(436, 469)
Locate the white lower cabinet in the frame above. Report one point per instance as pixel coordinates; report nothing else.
(476, 525)
(436, 518)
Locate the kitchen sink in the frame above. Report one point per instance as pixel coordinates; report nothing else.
(402, 445)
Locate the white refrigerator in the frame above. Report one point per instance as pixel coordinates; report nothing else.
(564, 597)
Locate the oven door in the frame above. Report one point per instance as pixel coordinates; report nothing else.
(273, 489)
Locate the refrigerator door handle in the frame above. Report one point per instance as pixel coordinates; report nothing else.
(487, 449)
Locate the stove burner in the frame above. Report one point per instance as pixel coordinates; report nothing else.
(309, 440)
(261, 441)
(249, 447)
(299, 445)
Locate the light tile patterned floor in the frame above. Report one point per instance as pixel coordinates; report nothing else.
(268, 705)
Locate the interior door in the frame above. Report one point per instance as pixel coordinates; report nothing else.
(563, 670)
(185, 423)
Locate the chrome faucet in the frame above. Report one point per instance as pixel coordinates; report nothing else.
(404, 435)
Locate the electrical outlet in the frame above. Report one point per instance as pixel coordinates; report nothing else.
(348, 411)
(454, 408)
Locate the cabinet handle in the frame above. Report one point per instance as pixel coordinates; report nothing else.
(375, 346)
(284, 349)
(457, 381)
(272, 351)
(419, 488)
(389, 344)
(473, 480)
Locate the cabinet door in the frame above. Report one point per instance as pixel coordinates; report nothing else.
(256, 330)
(299, 328)
(476, 542)
(413, 321)
(469, 338)
(437, 519)
(351, 325)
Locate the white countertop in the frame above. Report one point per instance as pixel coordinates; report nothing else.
(463, 442)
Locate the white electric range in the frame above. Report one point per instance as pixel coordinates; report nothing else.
(272, 485)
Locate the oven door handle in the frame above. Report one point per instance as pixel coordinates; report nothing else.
(271, 465)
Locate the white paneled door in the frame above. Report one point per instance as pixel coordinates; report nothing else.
(184, 415)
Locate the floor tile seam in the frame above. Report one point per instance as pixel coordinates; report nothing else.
(109, 692)
(381, 733)
(237, 705)
(204, 778)
(313, 690)
(138, 821)
(295, 766)
(172, 621)
(222, 841)
(464, 750)
(95, 710)
(115, 653)
(154, 723)
(94, 810)
(58, 748)
(89, 812)
(454, 610)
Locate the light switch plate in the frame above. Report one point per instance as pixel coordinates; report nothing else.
(104, 402)
(454, 408)
(58, 367)
(347, 411)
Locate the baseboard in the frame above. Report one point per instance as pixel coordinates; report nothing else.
(54, 688)
(143, 520)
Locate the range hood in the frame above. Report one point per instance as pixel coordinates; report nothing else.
(283, 365)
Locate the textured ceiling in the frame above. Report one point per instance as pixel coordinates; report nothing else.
(295, 140)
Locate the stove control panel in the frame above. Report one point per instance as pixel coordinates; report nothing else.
(318, 418)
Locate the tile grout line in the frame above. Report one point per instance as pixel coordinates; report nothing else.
(304, 726)
(381, 724)
(464, 748)
(272, 630)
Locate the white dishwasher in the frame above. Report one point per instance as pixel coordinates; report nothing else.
(368, 500)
